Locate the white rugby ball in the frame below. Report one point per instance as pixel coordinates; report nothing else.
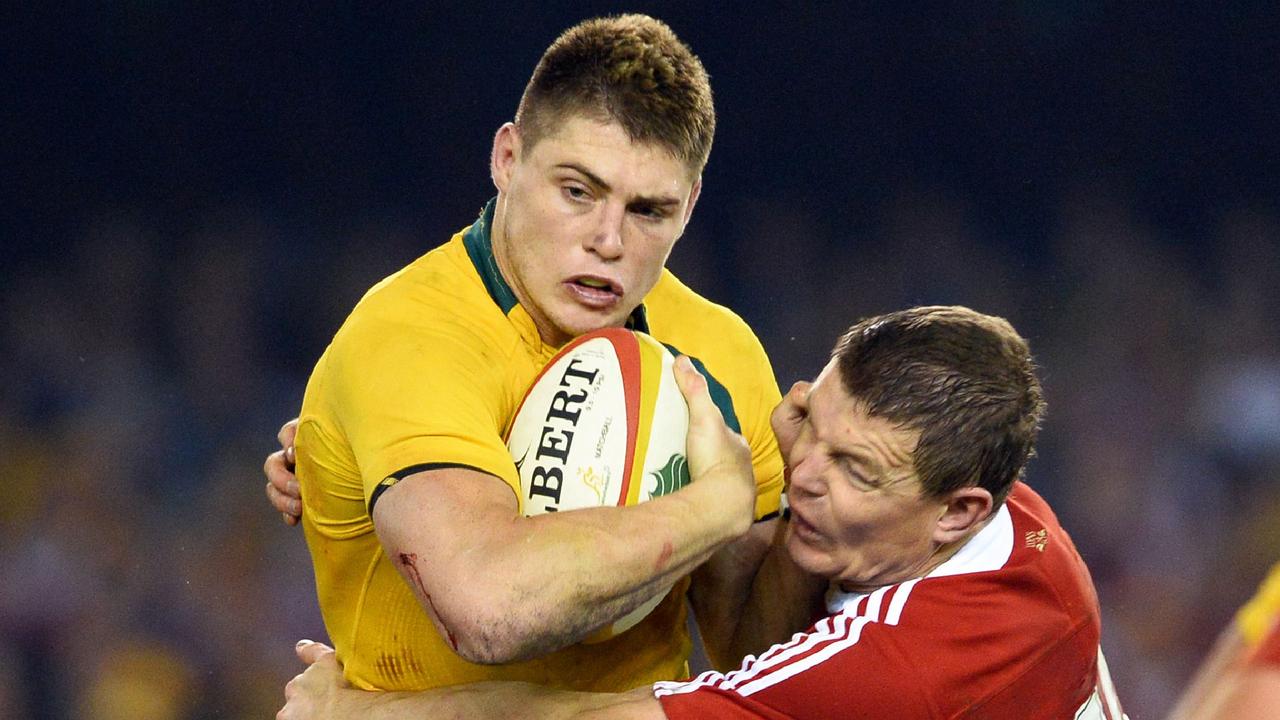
(604, 424)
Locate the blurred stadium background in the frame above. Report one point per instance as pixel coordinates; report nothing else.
(194, 195)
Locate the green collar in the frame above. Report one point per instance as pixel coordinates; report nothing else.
(479, 244)
(480, 250)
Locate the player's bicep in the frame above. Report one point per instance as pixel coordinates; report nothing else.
(418, 400)
(438, 527)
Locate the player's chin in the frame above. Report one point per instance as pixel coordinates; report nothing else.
(809, 558)
(577, 321)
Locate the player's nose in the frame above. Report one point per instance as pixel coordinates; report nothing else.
(606, 238)
(804, 468)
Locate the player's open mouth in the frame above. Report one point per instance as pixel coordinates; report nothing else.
(594, 291)
(801, 527)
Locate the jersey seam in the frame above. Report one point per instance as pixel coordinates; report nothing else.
(405, 472)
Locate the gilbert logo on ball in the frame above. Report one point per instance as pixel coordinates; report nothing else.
(604, 424)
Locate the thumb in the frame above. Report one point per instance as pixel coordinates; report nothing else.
(311, 652)
(799, 390)
(696, 393)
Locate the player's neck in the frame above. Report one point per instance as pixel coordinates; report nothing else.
(499, 243)
(939, 555)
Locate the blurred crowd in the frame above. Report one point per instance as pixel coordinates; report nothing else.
(143, 575)
(201, 193)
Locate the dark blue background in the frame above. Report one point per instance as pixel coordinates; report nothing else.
(194, 195)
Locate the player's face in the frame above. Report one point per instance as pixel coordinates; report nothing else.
(584, 223)
(858, 513)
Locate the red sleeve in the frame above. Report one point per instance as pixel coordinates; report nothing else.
(1268, 652)
(709, 702)
(846, 666)
(1012, 631)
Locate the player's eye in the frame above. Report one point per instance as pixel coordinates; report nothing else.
(856, 473)
(649, 212)
(576, 193)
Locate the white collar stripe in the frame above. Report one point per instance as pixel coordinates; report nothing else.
(773, 678)
(872, 612)
(833, 631)
(759, 676)
(899, 601)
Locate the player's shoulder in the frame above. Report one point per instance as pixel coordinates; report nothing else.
(1020, 571)
(441, 280)
(796, 678)
(671, 299)
(1042, 544)
(1006, 627)
(690, 322)
(438, 297)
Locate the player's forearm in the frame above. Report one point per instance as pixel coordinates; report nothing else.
(782, 601)
(750, 596)
(549, 581)
(483, 701)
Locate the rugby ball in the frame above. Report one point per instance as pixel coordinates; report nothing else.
(603, 424)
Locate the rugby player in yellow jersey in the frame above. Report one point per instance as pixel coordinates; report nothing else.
(427, 572)
(1228, 685)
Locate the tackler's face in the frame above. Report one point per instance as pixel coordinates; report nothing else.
(585, 221)
(859, 515)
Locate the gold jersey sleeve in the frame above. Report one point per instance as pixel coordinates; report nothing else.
(404, 384)
(1256, 617)
(426, 372)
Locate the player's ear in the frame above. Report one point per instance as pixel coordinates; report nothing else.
(962, 511)
(505, 154)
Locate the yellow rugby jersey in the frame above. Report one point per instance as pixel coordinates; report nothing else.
(1256, 617)
(428, 371)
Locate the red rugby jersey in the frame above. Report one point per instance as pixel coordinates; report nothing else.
(1008, 627)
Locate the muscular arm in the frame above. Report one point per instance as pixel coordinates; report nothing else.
(320, 693)
(502, 587)
(513, 701)
(1255, 695)
(750, 595)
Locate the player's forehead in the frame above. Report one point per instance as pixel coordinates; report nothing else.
(845, 425)
(602, 146)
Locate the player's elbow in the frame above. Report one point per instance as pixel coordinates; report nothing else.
(487, 640)
(490, 654)
(489, 630)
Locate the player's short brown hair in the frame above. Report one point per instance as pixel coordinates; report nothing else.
(964, 380)
(628, 69)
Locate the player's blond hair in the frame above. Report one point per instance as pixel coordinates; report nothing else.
(628, 69)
